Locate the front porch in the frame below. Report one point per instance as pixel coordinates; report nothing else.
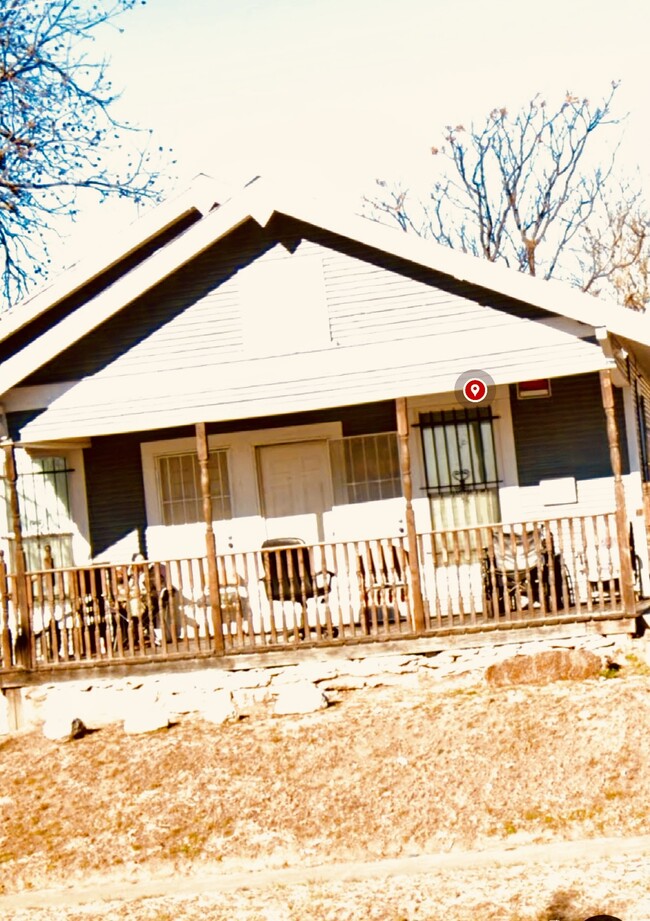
(294, 595)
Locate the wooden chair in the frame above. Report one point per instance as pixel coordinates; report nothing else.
(382, 571)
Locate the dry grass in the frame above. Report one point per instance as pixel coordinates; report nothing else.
(382, 773)
(512, 894)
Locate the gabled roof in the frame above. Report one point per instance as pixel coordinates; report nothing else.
(202, 195)
(260, 201)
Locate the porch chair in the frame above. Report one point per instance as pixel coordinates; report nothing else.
(525, 570)
(289, 576)
(382, 569)
(146, 600)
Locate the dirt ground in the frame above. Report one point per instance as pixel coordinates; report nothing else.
(383, 773)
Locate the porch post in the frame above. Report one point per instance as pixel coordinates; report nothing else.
(407, 483)
(210, 543)
(23, 640)
(622, 525)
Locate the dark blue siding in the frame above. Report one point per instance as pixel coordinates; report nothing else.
(565, 434)
(113, 465)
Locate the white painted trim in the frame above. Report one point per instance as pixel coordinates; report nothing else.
(201, 196)
(79, 506)
(504, 446)
(569, 325)
(124, 290)
(555, 296)
(79, 523)
(630, 429)
(255, 199)
(242, 462)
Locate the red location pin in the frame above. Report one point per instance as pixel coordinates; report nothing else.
(475, 390)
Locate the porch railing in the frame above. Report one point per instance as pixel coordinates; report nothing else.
(483, 577)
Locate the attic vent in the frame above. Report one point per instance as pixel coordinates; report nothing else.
(283, 307)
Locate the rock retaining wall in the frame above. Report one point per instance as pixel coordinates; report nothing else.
(220, 694)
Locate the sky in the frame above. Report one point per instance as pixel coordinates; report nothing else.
(335, 93)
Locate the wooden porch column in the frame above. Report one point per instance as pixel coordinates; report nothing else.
(407, 482)
(210, 543)
(622, 524)
(23, 640)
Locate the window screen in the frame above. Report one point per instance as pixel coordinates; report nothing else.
(179, 478)
(365, 468)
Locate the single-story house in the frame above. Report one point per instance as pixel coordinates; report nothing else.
(250, 421)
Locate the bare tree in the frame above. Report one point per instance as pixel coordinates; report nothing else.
(616, 255)
(57, 132)
(521, 189)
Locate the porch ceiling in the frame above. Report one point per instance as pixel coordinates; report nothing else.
(111, 403)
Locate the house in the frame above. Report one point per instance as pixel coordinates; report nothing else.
(244, 425)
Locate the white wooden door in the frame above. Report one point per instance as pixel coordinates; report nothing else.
(296, 489)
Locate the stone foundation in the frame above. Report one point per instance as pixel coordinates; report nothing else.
(99, 701)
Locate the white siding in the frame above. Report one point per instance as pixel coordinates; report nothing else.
(391, 335)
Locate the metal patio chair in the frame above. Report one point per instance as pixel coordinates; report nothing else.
(522, 572)
(289, 576)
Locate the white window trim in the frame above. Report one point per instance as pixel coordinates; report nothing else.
(504, 445)
(245, 498)
(215, 500)
(80, 527)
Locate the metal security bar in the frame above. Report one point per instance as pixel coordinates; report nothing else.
(44, 498)
(459, 451)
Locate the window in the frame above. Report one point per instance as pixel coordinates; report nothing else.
(44, 500)
(179, 479)
(365, 468)
(460, 466)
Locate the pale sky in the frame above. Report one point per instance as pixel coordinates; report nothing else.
(334, 93)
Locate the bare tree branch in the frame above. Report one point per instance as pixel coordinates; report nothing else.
(57, 131)
(520, 189)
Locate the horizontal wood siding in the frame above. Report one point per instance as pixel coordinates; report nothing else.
(11, 345)
(113, 465)
(178, 353)
(564, 435)
(377, 297)
(188, 319)
(193, 318)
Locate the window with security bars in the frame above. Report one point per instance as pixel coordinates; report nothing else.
(460, 466)
(365, 468)
(44, 499)
(179, 478)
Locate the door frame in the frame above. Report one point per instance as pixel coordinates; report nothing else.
(293, 443)
(246, 498)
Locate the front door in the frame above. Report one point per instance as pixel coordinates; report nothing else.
(296, 489)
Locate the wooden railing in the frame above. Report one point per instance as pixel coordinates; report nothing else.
(530, 571)
(330, 593)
